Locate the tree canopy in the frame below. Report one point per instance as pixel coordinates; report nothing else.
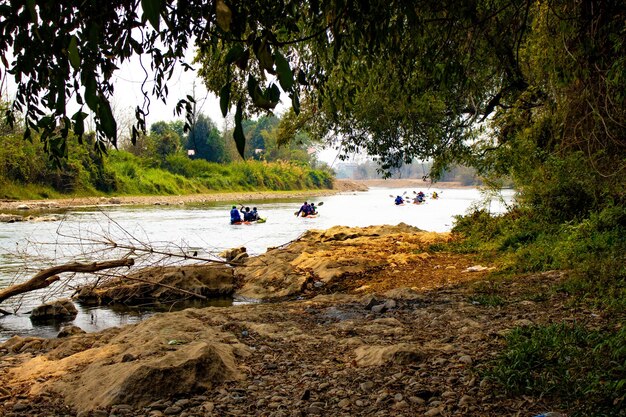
(490, 84)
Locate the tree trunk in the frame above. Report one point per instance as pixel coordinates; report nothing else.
(48, 276)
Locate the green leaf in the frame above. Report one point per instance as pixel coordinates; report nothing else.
(273, 93)
(79, 122)
(285, 75)
(240, 138)
(264, 54)
(302, 78)
(91, 97)
(225, 99)
(234, 54)
(152, 11)
(295, 102)
(72, 53)
(107, 121)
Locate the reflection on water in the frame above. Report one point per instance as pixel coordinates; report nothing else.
(93, 319)
(203, 229)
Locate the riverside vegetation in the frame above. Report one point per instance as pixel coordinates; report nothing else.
(157, 165)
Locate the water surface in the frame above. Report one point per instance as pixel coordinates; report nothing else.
(203, 230)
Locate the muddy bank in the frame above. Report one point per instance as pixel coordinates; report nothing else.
(408, 333)
(27, 207)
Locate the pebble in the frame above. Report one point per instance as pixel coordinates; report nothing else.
(380, 308)
(315, 410)
(448, 394)
(398, 397)
(155, 413)
(465, 400)
(344, 403)
(100, 413)
(417, 400)
(20, 407)
(359, 403)
(433, 412)
(400, 405)
(466, 359)
(182, 403)
(170, 411)
(367, 386)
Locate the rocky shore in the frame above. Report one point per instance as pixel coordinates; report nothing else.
(363, 321)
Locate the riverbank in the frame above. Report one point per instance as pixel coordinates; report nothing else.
(378, 321)
(34, 206)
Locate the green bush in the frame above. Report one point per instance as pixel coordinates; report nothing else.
(583, 369)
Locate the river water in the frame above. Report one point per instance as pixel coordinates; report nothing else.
(81, 235)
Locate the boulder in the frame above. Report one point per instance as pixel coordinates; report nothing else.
(60, 309)
(401, 354)
(67, 331)
(162, 284)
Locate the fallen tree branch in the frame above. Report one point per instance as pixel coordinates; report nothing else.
(48, 276)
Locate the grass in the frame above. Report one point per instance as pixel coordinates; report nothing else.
(576, 368)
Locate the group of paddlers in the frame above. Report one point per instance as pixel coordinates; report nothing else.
(243, 215)
(419, 198)
(307, 209)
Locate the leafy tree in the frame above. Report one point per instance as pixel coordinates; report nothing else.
(504, 86)
(206, 141)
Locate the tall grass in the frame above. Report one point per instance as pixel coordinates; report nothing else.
(122, 173)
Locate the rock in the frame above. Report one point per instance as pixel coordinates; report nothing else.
(115, 200)
(379, 309)
(466, 359)
(402, 294)
(20, 407)
(240, 258)
(231, 254)
(159, 283)
(172, 410)
(344, 403)
(370, 302)
(71, 330)
(23, 207)
(477, 268)
(318, 284)
(10, 218)
(366, 386)
(128, 357)
(60, 309)
(389, 304)
(465, 400)
(433, 412)
(315, 410)
(401, 354)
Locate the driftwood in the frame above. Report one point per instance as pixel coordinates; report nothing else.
(48, 276)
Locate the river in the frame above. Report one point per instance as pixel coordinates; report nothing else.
(27, 247)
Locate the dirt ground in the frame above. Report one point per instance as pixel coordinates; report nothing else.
(410, 337)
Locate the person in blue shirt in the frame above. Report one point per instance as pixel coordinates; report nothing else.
(399, 200)
(235, 217)
(305, 209)
(247, 215)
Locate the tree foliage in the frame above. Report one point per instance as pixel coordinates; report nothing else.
(501, 85)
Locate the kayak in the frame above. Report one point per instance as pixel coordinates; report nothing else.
(261, 220)
(310, 216)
